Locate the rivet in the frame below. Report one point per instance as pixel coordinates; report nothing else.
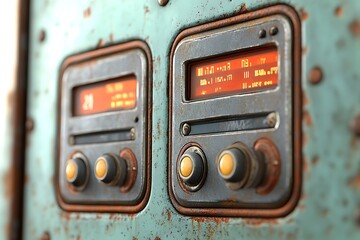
(316, 75)
(163, 2)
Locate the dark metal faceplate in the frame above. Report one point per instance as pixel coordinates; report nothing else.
(238, 37)
(96, 69)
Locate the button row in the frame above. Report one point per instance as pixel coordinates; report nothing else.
(239, 166)
(109, 168)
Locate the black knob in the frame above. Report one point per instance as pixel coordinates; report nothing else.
(76, 172)
(111, 169)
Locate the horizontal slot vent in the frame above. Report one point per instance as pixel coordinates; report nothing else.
(232, 124)
(104, 137)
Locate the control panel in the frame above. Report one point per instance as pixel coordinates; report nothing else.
(234, 112)
(104, 130)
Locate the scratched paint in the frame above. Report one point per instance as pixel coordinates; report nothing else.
(331, 153)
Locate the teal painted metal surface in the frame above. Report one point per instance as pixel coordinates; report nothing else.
(330, 198)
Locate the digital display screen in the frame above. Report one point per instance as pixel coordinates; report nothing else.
(251, 71)
(105, 96)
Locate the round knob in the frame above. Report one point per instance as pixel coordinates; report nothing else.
(76, 171)
(232, 165)
(239, 166)
(111, 169)
(191, 168)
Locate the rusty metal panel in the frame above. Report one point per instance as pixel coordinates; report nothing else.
(329, 206)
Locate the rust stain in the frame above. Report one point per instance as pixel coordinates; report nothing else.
(29, 124)
(78, 237)
(169, 215)
(315, 160)
(354, 142)
(358, 216)
(216, 220)
(305, 166)
(42, 36)
(305, 140)
(243, 8)
(210, 231)
(307, 118)
(305, 99)
(354, 28)
(26, 179)
(66, 215)
(87, 12)
(355, 182)
(114, 216)
(8, 184)
(316, 75)
(111, 37)
(146, 9)
(157, 238)
(304, 15)
(131, 215)
(100, 43)
(303, 196)
(45, 236)
(339, 11)
(260, 221)
(324, 212)
(301, 207)
(355, 126)
(305, 50)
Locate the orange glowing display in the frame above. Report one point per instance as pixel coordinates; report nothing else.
(252, 71)
(110, 95)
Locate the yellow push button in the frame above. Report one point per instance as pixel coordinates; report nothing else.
(231, 165)
(226, 164)
(100, 169)
(111, 169)
(76, 171)
(191, 168)
(71, 171)
(186, 166)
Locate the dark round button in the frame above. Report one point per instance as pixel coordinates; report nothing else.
(76, 171)
(110, 169)
(191, 168)
(232, 165)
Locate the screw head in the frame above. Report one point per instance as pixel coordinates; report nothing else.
(132, 133)
(273, 31)
(71, 140)
(262, 33)
(186, 128)
(271, 119)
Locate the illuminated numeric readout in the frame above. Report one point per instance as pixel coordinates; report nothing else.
(252, 71)
(105, 96)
